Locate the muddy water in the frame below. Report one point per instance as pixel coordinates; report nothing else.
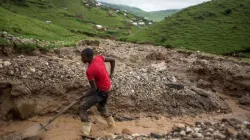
(67, 127)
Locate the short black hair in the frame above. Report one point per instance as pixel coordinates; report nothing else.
(88, 53)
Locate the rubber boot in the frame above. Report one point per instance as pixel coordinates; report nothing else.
(86, 128)
(111, 122)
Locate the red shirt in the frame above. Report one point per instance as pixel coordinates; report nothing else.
(98, 72)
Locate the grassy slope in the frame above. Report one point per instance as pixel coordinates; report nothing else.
(160, 15)
(208, 27)
(18, 24)
(98, 15)
(155, 15)
(69, 15)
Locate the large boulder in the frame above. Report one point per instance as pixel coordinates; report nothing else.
(245, 100)
(24, 108)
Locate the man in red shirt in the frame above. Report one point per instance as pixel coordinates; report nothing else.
(100, 82)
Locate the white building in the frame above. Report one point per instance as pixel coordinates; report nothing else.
(141, 23)
(99, 27)
(98, 4)
(135, 23)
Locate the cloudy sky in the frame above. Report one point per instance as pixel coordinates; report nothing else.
(155, 5)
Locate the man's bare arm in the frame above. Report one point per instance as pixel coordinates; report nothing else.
(92, 90)
(111, 60)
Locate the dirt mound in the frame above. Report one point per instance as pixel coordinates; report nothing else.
(153, 90)
(221, 75)
(54, 80)
(46, 83)
(156, 56)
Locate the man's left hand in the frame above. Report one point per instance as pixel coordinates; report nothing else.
(111, 76)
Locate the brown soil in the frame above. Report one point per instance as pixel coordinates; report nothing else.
(157, 87)
(67, 127)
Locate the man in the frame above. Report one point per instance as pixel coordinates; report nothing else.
(100, 82)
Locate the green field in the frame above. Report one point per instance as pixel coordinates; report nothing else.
(218, 27)
(69, 19)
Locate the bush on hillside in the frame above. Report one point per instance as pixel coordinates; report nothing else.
(26, 48)
(3, 41)
(17, 30)
(163, 38)
(20, 3)
(46, 49)
(228, 12)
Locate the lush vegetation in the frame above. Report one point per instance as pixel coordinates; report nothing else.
(218, 26)
(66, 20)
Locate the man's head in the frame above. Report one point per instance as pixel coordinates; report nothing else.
(87, 55)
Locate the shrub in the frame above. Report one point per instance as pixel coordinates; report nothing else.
(162, 38)
(46, 49)
(228, 11)
(26, 48)
(3, 42)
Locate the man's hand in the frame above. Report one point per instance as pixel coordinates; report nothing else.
(92, 90)
(111, 76)
(111, 60)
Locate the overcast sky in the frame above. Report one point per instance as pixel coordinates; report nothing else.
(155, 5)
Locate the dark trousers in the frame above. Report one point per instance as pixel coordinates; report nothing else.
(99, 98)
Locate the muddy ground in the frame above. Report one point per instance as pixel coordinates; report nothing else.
(154, 88)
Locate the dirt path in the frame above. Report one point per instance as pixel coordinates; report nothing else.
(67, 127)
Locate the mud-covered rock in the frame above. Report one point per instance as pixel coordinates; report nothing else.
(18, 88)
(127, 131)
(178, 127)
(245, 100)
(155, 135)
(88, 43)
(231, 132)
(24, 108)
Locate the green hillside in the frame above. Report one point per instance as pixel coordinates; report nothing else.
(218, 26)
(160, 15)
(18, 24)
(155, 15)
(75, 18)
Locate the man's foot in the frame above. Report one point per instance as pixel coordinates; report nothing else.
(111, 122)
(86, 128)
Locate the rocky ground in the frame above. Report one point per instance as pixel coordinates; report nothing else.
(226, 129)
(149, 81)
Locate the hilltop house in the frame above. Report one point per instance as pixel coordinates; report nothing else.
(99, 27)
(141, 23)
(98, 4)
(135, 23)
(48, 21)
